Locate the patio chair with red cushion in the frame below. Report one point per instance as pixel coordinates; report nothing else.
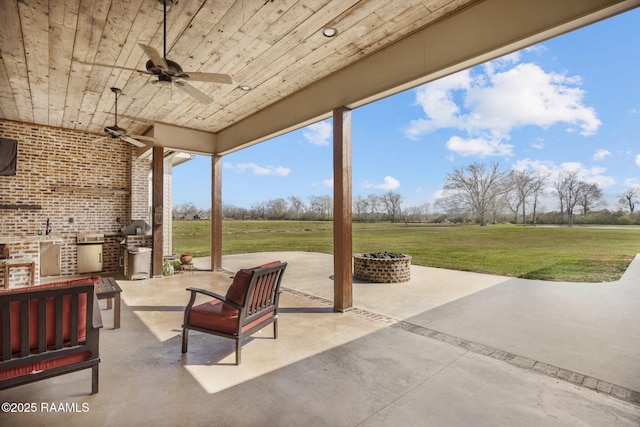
(251, 303)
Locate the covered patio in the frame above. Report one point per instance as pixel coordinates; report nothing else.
(270, 68)
(446, 348)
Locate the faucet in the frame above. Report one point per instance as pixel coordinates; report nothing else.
(48, 229)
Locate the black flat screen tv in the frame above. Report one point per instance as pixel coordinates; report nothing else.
(8, 156)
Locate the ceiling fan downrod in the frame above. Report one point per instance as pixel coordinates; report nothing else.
(165, 3)
(117, 91)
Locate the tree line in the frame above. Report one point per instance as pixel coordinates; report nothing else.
(478, 192)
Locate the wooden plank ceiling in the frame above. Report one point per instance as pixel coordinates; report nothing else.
(60, 58)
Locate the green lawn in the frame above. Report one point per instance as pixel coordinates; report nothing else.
(577, 254)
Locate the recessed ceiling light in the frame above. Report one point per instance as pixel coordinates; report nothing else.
(245, 87)
(199, 118)
(329, 32)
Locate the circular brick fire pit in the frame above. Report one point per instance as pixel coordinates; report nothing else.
(382, 267)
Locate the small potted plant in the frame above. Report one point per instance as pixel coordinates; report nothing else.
(186, 258)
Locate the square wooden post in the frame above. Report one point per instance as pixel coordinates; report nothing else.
(157, 195)
(342, 228)
(216, 212)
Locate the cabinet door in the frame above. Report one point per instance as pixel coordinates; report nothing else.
(89, 258)
(50, 259)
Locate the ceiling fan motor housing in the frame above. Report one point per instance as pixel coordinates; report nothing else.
(115, 131)
(173, 70)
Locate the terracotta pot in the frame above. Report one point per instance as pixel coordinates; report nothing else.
(186, 258)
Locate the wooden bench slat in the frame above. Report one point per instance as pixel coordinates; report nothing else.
(42, 325)
(58, 321)
(24, 328)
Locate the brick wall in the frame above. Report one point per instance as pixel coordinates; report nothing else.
(102, 171)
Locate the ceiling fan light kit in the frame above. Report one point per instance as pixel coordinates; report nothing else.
(116, 132)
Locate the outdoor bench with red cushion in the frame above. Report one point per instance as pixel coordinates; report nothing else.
(49, 330)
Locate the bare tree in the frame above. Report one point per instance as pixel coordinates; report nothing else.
(538, 191)
(418, 213)
(322, 206)
(568, 188)
(560, 185)
(276, 208)
(259, 210)
(391, 202)
(629, 198)
(510, 198)
(360, 206)
(478, 186)
(297, 207)
(572, 191)
(185, 210)
(374, 205)
(590, 197)
(523, 184)
(454, 204)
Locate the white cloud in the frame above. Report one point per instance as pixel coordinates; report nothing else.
(638, 160)
(437, 101)
(478, 147)
(538, 144)
(257, 169)
(390, 183)
(527, 95)
(327, 182)
(601, 154)
(537, 49)
(488, 105)
(632, 182)
(318, 133)
(596, 175)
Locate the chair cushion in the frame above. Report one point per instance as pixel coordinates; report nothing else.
(50, 315)
(238, 288)
(212, 315)
(29, 369)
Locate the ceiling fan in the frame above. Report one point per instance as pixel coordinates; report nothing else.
(169, 71)
(116, 132)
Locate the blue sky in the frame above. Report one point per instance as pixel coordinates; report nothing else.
(570, 103)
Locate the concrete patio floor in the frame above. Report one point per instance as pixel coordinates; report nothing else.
(447, 348)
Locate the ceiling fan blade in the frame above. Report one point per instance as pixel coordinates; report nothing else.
(199, 96)
(143, 138)
(154, 56)
(136, 119)
(130, 140)
(208, 77)
(97, 64)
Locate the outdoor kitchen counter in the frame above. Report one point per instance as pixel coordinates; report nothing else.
(25, 249)
(31, 239)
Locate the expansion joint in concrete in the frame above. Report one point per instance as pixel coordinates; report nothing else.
(576, 378)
